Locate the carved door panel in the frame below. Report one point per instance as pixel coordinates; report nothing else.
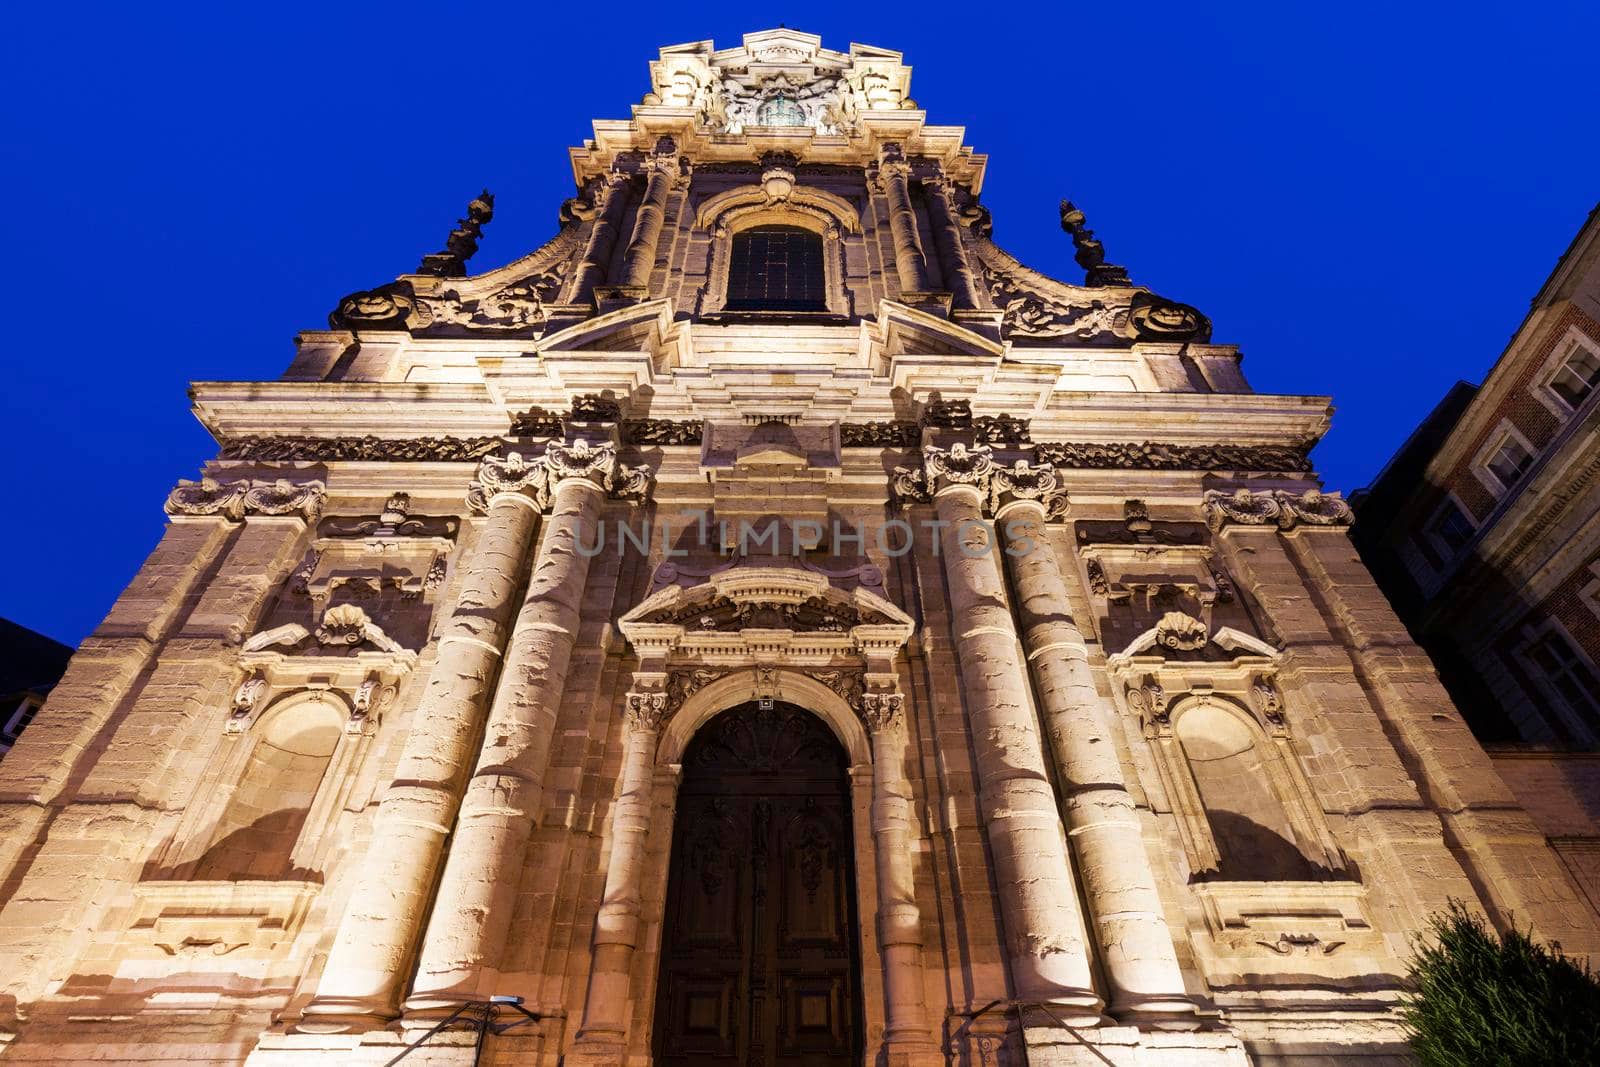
(759, 960)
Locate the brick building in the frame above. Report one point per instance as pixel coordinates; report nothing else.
(767, 624)
(1484, 530)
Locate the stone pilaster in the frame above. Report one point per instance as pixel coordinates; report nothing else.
(591, 270)
(947, 241)
(911, 263)
(378, 934)
(1049, 960)
(472, 910)
(663, 169)
(605, 1008)
(1141, 964)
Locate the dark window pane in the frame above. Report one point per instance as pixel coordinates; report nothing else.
(1452, 528)
(776, 268)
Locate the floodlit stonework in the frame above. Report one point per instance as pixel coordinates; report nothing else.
(766, 624)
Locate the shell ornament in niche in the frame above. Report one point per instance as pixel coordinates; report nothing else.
(343, 624)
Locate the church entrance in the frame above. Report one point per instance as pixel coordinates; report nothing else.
(760, 958)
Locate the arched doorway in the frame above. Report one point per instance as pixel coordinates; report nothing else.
(760, 957)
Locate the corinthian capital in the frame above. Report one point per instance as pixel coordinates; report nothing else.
(513, 474)
(892, 160)
(537, 479)
(1022, 481)
(943, 468)
(645, 711)
(883, 711)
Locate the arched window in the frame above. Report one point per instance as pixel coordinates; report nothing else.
(776, 268)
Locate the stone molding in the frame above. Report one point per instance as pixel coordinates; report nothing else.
(1279, 508)
(537, 479)
(237, 500)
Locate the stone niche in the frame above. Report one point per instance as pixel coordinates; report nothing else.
(1275, 900)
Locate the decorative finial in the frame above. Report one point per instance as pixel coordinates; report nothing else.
(1091, 253)
(462, 242)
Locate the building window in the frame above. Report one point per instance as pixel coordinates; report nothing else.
(1451, 528)
(780, 109)
(1568, 677)
(776, 268)
(1577, 375)
(21, 715)
(1510, 461)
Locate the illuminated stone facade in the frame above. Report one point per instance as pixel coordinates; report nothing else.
(1136, 765)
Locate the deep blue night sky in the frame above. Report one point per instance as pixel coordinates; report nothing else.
(1364, 198)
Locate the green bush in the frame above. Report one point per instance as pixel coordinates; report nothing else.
(1480, 1000)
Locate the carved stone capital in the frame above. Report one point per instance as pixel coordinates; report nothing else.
(510, 474)
(1315, 508)
(1280, 508)
(665, 163)
(647, 710)
(1241, 507)
(946, 468)
(208, 497)
(1025, 482)
(283, 497)
(580, 461)
(883, 711)
(236, 500)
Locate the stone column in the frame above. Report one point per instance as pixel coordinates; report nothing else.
(899, 919)
(472, 910)
(1141, 965)
(605, 1008)
(1048, 959)
(640, 258)
(947, 240)
(591, 270)
(910, 263)
(377, 937)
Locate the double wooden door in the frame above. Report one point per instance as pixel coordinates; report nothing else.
(760, 965)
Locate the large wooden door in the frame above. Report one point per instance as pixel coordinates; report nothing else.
(759, 957)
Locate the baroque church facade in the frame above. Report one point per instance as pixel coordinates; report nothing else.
(768, 624)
